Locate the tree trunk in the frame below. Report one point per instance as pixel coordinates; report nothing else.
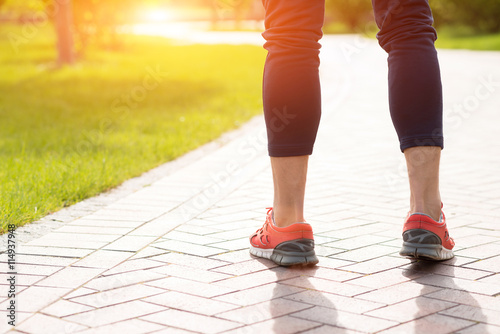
(64, 28)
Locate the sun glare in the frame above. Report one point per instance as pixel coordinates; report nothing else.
(158, 15)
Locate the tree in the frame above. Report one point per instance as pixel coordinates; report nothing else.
(63, 15)
(353, 13)
(481, 16)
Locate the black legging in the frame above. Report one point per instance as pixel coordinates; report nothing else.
(291, 88)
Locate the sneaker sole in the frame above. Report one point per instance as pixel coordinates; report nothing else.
(426, 251)
(284, 258)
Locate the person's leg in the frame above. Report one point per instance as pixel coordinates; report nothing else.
(289, 177)
(292, 109)
(423, 174)
(415, 100)
(292, 98)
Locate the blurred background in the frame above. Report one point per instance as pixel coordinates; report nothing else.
(95, 92)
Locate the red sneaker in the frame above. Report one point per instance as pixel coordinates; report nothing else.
(425, 238)
(284, 246)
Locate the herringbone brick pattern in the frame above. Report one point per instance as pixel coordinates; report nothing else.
(172, 256)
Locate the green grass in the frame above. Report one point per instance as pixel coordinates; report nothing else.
(69, 134)
(449, 37)
(456, 38)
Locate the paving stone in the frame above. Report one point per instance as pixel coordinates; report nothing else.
(491, 265)
(191, 238)
(54, 251)
(322, 250)
(492, 279)
(460, 284)
(117, 296)
(233, 234)
(125, 215)
(20, 317)
(190, 273)
(398, 293)
(284, 325)
(188, 248)
(327, 273)
(386, 278)
(22, 280)
(358, 241)
(467, 298)
(124, 279)
(115, 313)
(335, 301)
(446, 270)
(130, 243)
(200, 230)
(376, 265)
(155, 228)
(70, 277)
(259, 294)
(232, 245)
(149, 252)
(132, 265)
(34, 269)
(190, 303)
(255, 279)
(93, 230)
(481, 251)
(39, 323)
(34, 298)
(63, 308)
(263, 311)
(475, 240)
(186, 260)
(245, 267)
(329, 262)
(105, 223)
(191, 287)
(325, 329)
(318, 284)
(172, 330)
(82, 291)
(480, 329)
(333, 317)
(46, 260)
(190, 321)
(411, 309)
(432, 324)
(474, 314)
(366, 253)
(102, 259)
(233, 256)
(133, 326)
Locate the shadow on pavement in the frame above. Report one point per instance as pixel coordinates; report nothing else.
(448, 288)
(321, 310)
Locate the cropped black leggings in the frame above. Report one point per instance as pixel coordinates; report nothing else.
(291, 87)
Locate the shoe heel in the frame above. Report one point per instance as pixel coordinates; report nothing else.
(295, 252)
(425, 252)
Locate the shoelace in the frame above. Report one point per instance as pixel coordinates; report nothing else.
(264, 227)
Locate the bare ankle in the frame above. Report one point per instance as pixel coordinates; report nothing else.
(284, 218)
(430, 207)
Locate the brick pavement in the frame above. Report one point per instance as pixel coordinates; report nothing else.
(167, 252)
